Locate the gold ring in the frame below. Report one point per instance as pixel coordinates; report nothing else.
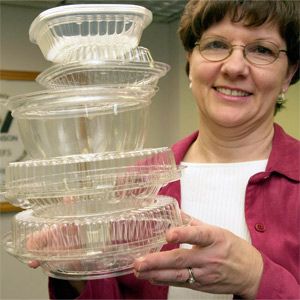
(191, 279)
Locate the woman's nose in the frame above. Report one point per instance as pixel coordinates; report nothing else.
(236, 64)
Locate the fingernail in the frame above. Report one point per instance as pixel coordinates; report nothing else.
(138, 264)
(31, 264)
(172, 236)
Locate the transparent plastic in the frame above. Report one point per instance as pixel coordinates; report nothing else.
(89, 245)
(113, 53)
(94, 73)
(82, 120)
(78, 102)
(118, 180)
(73, 32)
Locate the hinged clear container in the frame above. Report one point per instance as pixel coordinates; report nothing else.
(89, 244)
(80, 32)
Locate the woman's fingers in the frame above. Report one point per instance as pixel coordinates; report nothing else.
(179, 276)
(175, 259)
(189, 220)
(218, 260)
(202, 235)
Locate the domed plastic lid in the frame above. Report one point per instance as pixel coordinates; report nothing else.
(112, 177)
(79, 102)
(70, 32)
(91, 245)
(134, 71)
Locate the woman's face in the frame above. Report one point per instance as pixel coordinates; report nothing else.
(234, 92)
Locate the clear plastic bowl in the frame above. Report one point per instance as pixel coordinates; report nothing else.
(73, 32)
(82, 120)
(119, 180)
(110, 73)
(89, 245)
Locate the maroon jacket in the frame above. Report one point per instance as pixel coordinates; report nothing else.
(272, 204)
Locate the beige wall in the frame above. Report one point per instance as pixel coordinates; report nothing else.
(289, 117)
(17, 281)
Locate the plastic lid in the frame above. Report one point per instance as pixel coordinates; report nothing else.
(111, 241)
(79, 102)
(133, 68)
(110, 177)
(40, 232)
(113, 74)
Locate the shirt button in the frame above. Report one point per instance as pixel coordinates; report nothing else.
(260, 227)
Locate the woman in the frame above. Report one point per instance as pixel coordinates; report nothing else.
(242, 171)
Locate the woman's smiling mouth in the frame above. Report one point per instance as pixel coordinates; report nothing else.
(232, 92)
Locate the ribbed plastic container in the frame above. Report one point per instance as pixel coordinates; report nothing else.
(110, 73)
(113, 53)
(89, 245)
(82, 120)
(84, 31)
(119, 180)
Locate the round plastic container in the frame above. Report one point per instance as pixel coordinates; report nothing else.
(82, 120)
(117, 180)
(89, 245)
(96, 73)
(84, 31)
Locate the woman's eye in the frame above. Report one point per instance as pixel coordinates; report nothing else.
(261, 50)
(215, 45)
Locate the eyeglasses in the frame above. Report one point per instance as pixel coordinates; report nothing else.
(257, 53)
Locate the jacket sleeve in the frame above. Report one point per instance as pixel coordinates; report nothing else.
(274, 282)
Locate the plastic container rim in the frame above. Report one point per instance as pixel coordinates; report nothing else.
(68, 10)
(90, 157)
(132, 94)
(110, 65)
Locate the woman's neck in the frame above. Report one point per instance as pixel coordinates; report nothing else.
(221, 145)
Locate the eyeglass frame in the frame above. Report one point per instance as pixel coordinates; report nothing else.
(232, 46)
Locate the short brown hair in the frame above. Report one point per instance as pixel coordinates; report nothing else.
(199, 15)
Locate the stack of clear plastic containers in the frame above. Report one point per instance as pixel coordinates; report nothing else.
(90, 190)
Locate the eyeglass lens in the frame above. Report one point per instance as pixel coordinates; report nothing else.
(260, 52)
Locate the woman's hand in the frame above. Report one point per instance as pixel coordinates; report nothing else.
(222, 263)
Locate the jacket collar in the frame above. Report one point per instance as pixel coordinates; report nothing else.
(181, 147)
(284, 157)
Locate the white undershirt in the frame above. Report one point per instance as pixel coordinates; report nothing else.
(215, 194)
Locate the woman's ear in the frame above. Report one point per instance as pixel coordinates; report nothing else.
(289, 75)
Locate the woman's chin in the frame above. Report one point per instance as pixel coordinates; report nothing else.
(230, 120)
